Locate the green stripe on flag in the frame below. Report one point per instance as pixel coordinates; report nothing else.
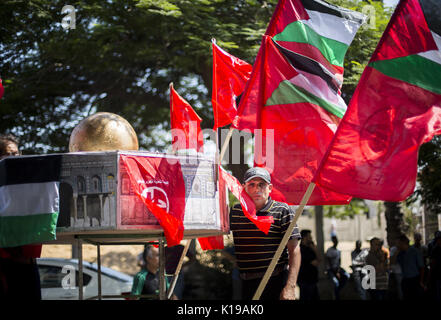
(22, 230)
(334, 51)
(288, 93)
(412, 69)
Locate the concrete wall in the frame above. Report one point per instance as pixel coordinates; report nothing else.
(358, 228)
(348, 231)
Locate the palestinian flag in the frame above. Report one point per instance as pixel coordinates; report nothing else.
(317, 30)
(29, 199)
(301, 111)
(396, 107)
(293, 94)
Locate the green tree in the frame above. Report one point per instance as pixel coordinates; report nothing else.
(120, 58)
(429, 184)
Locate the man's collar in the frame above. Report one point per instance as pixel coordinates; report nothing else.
(267, 205)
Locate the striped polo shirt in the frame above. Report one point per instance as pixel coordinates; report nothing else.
(253, 248)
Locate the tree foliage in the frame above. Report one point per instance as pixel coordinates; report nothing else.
(356, 206)
(121, 57)
(429, 182)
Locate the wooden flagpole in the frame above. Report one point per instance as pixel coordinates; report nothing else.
(225, 144)
(230, 132)
(284, 241)
(178, 270)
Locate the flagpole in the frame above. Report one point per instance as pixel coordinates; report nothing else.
(170, 86)
(284, 241)
(230, 131)
(214, 91)
(225, 144)
(178, 270)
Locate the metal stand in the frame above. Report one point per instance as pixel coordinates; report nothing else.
(127, 239)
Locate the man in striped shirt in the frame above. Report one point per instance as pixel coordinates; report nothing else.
(254, 249)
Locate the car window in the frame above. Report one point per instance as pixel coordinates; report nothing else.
(51, 277)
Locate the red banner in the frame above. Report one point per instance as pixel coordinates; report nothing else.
(210, 243)
(185, 124)
(159, 183)
(230, 75)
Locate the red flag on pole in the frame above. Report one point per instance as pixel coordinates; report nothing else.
(159, 183)
(2, 90)
(185, 124)
(230, 75)
(395, 108)
(210, 243)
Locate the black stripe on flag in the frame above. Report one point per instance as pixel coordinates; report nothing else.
(324, 7)
(432, 13)
(30, 169)
(309, 65)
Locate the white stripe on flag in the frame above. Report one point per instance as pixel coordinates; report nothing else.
(434, 55)
(29, 199)
(318, 87)
(332, 27)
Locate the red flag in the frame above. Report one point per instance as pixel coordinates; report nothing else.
(248, 207)
(230, 75)
(185, 124)
(210, 243)
(1, 89)
(159, 183)
(395, 108)
(301, 112)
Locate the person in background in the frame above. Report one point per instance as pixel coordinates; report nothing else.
(336, 273)
(432, 243)
(19, 276)
(412, 267)
(172, 257)
(378, 258)
(308, 273)
(146, 281)
(358, 256)
(395, 276)
(424, 251)
(422, 248)
(434, 278)
(8, 146)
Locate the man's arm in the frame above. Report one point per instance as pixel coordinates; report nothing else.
(288, 292)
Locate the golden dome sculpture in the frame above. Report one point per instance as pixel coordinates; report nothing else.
(103, 131)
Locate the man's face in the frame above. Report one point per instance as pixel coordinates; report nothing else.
(10, 150)
(259, 191)
(153, 258)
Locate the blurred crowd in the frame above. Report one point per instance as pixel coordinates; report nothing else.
(401, 272)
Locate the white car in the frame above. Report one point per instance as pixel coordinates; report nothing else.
(57, 280)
